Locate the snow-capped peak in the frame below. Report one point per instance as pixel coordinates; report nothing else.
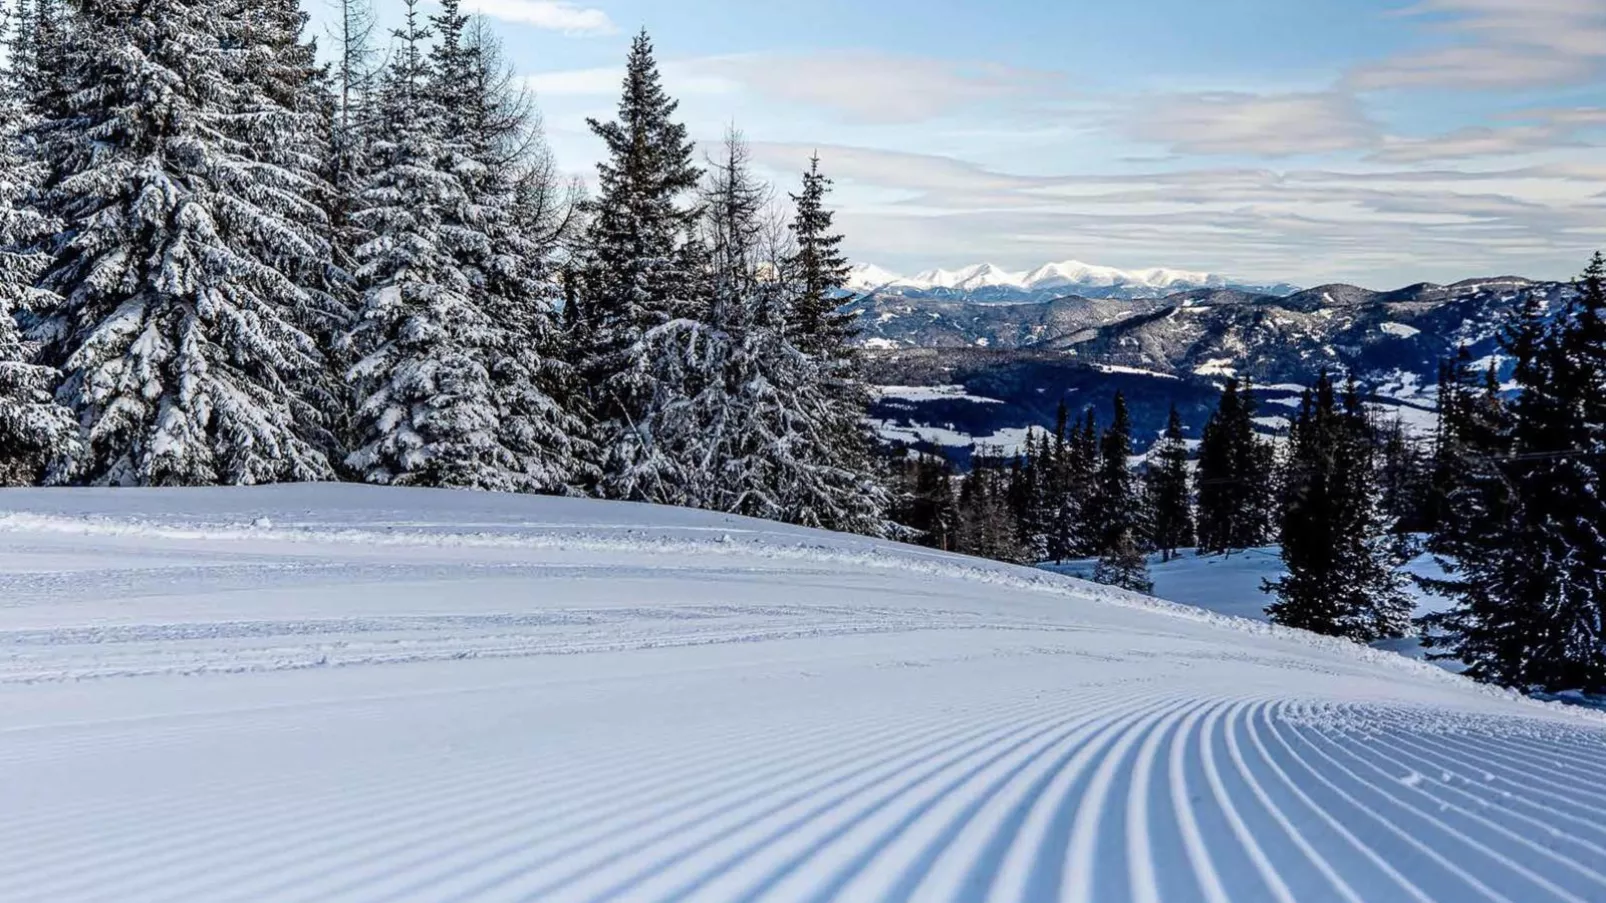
(1069, 274)
(868, 276)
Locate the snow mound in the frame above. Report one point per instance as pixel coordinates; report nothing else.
(349, 693)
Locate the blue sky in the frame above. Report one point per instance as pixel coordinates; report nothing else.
(1381, 142)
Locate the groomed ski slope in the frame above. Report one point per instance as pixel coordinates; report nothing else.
(343, 693)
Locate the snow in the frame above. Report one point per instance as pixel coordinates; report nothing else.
(1231, 584)
(347, 693)
(881, 344)
(1400, 330)
(1008, 441)
(1216, 366)
(1132, 371)
(1070, 273)
(931, 393)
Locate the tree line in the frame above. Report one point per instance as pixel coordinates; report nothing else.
(225, 262)
(1508, 495)
(1081, 492)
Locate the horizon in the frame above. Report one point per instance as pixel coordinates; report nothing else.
(1369, 142)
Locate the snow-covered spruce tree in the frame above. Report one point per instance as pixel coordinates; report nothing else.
(1169, 488)
(38, 438)
(1121, 510)
(509, 228)
(282, 145)
(829, 477)
(819, 271)
(1530, 586)
(427, 412)
(741, 419)
(41, 39)
(1573, 654)
(640, 269)
(354, 75)
(1342, 578)
(186, 225)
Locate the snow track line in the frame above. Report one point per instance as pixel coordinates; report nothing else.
(818, 765)
(1383, 794)
(869, 848)
(1461, 835)
(494, 826)
(1409, 748)
(842, 795)
(466, 795)
(926, 858)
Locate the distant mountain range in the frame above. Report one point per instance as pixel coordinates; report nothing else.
(987, 283)
(956, 371)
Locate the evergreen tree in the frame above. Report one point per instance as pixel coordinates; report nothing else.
(188, 220)
(41, 44)
(831, 416)
(38, 438)
(1170, 496)
(1521, 535)
(819, 272)
(1085, 517)
(1120, 509)
(1030, 494)
(1342, 578)
(355, 77)
(986, 525)
(639, 271)
(1405, 480)
(428, 414)
(508, 252)
(1235, 476)
(924, 499)
(1474, 511)
(1059, 501)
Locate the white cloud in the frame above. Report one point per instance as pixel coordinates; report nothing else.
(878, 88)
(1498, 44)
(1268, 125)
(1373, 225)
(553, 15)
(680, 80)
(1474, 142)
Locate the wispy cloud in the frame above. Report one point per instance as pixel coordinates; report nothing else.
(1498, 44)
(680, 79)
(1268, 125)
(1375, 224)
(1475, 142)
(881, 88)
(553, 15)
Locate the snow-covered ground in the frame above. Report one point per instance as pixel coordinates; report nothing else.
(341, 693)
(1232, 585)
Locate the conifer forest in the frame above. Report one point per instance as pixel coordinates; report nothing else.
(230, 256)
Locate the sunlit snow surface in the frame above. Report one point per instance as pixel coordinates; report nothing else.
(339, 693)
